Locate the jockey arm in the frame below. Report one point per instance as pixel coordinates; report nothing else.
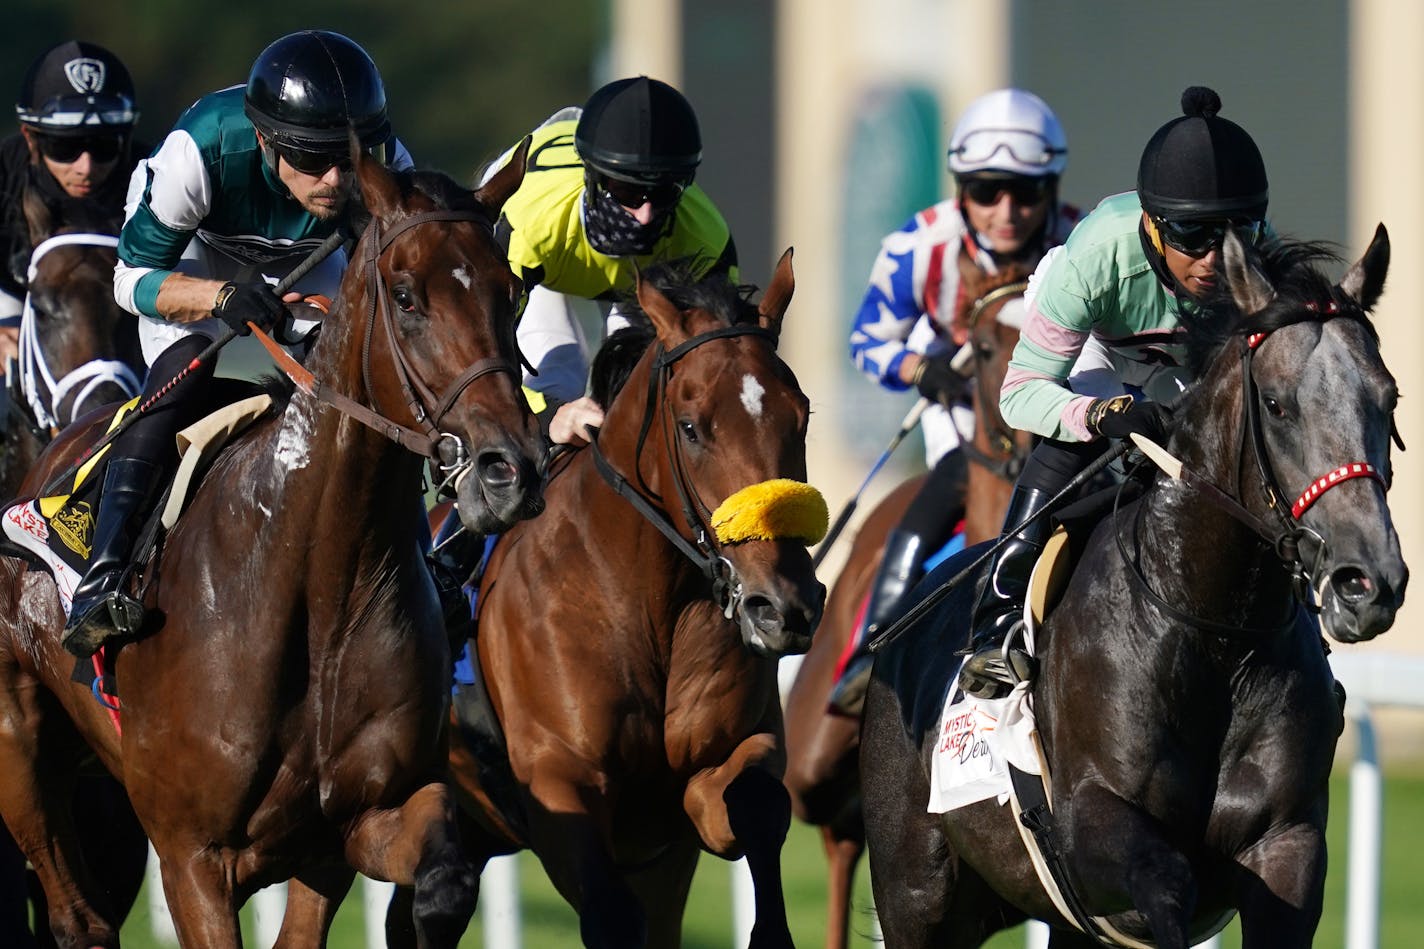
(892, 307)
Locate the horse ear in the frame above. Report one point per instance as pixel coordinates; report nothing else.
(379, 191)
(1364, 282)
(503, 183)
(667, 318)
(778, 295)
(1249, 287)
(39, 219)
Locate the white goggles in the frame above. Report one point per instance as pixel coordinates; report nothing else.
(1026, 148)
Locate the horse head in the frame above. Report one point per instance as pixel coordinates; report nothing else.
(79, 349)
(434, 304)
(1317, 408)
(726, 451)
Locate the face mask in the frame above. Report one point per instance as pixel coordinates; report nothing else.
(614, 232)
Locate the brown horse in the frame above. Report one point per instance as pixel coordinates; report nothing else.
(823, 749)
(284, 713)
(629, 637)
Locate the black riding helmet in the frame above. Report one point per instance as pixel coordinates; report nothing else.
(639, 130)
(77, 89)
(307, 88)
(1201, 166)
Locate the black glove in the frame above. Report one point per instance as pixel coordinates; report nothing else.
(1122, 415)
(937, 380)
(237, 303)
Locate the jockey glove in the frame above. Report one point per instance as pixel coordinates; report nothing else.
(237, 303)
(937, 379)
(1122, 415)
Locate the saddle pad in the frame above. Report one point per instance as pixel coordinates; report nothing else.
(978, 739)
(1045, 585)
(199, 443)
(64, 550)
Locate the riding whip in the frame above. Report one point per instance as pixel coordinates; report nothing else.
(912, 418)
(323, 251)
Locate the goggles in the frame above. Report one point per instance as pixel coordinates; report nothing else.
(317, 164)
(632, 194)
(1021, 190)
(1198, 238)
(71, 112)
(101, 148)
(1025, 148)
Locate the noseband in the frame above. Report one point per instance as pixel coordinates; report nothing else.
(43, 392)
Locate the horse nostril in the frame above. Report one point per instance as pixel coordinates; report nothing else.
(1351, 584)
(497, 472)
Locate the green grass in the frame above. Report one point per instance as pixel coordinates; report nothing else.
(549, 923)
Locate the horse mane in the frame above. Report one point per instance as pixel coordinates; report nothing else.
(444, 191)
(977, 283)
(1302, 294)
(678, 281)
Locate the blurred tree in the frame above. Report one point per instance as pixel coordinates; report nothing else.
(465, 80)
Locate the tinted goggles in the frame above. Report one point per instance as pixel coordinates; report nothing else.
(632, 194)
(1198, 238)
(101, 148)
(1020, 190)
(317, 164)
(1026, 148)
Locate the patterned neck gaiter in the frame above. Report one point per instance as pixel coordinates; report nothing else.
(614, 232)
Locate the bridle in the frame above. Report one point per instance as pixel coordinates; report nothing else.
(1008, 457)
(42, 391)
(703, 550)
(1284, 532)
(446, 450)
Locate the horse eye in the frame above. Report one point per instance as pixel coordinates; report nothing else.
(689, 431)
(1274, 407)
(404, 299)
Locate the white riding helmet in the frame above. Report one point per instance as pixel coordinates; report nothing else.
(1010, 131)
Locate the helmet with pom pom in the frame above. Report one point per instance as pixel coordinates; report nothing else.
(1202, 167)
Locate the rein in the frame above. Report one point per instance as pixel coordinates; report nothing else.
(43, 392)
(443, 448)
(703, 551)
(1285, 536)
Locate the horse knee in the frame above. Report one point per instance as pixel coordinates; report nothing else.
(758, 807)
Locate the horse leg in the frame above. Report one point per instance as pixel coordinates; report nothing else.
(1282, 887)
(312, 900)
(1125, 851)
(416, 845)
(742, 807)
(663, 887)
(200, 894)
(843, 853)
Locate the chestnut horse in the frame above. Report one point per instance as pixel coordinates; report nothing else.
(284, 713)
(1185, 708)
(629, 637)
(822, 749)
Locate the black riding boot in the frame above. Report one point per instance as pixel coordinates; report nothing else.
(452, 560)
(101, 609)
(900, 569)
(1000, 606)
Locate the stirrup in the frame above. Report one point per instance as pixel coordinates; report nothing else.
(995, 668)
(114, 614)
(848, 694)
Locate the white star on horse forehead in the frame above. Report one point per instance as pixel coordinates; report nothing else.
(752, 392)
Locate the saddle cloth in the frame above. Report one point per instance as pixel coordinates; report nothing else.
(980, 738)
(58, 531)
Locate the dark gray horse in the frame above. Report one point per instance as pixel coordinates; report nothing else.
(1184, 701)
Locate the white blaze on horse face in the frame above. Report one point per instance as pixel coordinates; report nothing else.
(752, 392)
(294, 440)
(462, 275)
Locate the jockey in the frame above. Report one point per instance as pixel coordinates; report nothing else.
(248, 183)
(1122, 280)
(1007, 155)
(77, 111)
(608, 189)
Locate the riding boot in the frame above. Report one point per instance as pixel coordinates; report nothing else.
(101, 609)
(900, 569)
(1000, 606)
(452, 560)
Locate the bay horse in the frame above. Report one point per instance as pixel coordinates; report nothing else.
(78, 349)
(284, 713)
(628, 638)
(822, 748)
(1185, 708)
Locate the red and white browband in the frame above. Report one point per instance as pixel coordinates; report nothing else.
(1355, 469)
